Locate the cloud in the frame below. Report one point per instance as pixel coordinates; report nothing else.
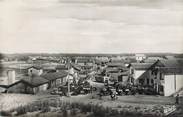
(91, 26)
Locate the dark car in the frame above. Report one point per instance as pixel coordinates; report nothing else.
(150, 91)
(119, 91)
(56, 91)
(104, 92)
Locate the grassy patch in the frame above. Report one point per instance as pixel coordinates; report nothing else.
(65, 109)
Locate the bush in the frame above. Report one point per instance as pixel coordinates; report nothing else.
(21, 110)
(99, 111)
(5, 113)
(65, 114)
(73, 112)
(85, 108)
(114, 112)
(119, 106)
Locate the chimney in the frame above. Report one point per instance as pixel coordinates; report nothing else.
(11, 76)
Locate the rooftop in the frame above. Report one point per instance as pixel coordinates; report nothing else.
(62, 67)
(141, 66)
(35, 81)
(54, 75)
(35, 67)
(173, 63)
(115, 64)
(84, 60)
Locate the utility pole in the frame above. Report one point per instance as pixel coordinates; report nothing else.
(68, 79)
(68, 87)
(175, 82)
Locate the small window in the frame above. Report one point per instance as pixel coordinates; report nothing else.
(161, 76)
(141, 81)
(161, 88)
(156, 73)
(120, 79)
(147, 81)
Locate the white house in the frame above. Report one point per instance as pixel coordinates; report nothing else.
(172, 73)
(140, 57)
(166, 76)
(137, 69)
(172, 83)
(72, 75)
(35, 71)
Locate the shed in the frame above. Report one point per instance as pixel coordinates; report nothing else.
(30, 85)
(56, 78)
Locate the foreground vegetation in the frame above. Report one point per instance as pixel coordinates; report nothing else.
(74, 109)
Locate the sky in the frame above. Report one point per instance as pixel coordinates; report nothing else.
(91, 26)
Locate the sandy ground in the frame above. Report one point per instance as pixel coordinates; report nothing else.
(123, 101)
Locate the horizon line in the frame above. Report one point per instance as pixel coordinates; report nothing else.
(91, 53)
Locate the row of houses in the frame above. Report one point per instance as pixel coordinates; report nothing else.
(164, 75)
(37, 80)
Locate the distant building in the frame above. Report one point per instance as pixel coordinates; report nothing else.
(49, 69)
(55, 79)
(61, 67)
(84, 61)
(124, 77)
(35, 84)
(137, 69)
(35, 71)
(140, 57)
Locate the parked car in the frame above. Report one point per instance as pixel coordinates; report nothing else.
(119, 91)
(56, 91)
(150, 91)
(107, 90)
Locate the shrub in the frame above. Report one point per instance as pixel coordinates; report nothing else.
(114, 112)
(5, 113)
(65, 114)
(84, 108)
(21, 110)
(119, 106)
(99, 111)
(73, 112)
